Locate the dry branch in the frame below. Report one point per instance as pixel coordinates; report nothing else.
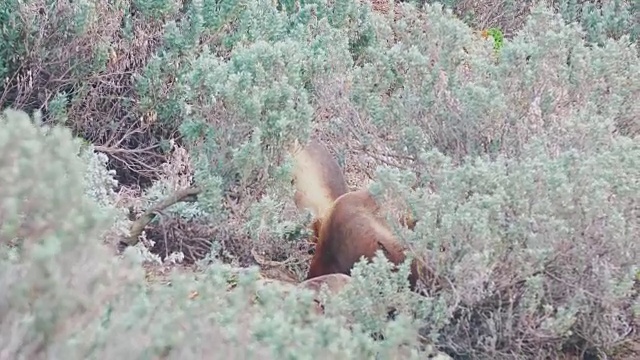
(184, 195)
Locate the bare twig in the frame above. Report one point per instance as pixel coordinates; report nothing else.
(184, 195)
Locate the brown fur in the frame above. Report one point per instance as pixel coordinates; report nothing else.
(352, 229)
(319, 181)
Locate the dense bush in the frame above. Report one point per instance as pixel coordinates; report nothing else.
(538, 250)
(63, 294)
(520, 162)
(599, 19)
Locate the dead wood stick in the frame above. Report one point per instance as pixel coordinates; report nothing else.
(184, 195)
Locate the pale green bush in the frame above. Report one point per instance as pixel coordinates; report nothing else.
(426, 81)
(242, 103)
(527, 197)
(439, 90)
(539, 251)
(47, 222)
(64, 295)
(599, 19)
(522, 159)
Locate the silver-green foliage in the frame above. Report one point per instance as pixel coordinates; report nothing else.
(437, 85)
(600, 20)
(536, 238)
(46, 221)
(242, 83)
(529, 198)
(545, 237)
(64, 295)
(531, 187)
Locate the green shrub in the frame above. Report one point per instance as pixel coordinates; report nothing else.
(522, 160)
(49, 235)
(243, 98)
(526, 189)
(600, 20)
(63, 294)
(539, 250)
(437, 90)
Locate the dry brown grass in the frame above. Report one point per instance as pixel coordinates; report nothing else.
(95, 68)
